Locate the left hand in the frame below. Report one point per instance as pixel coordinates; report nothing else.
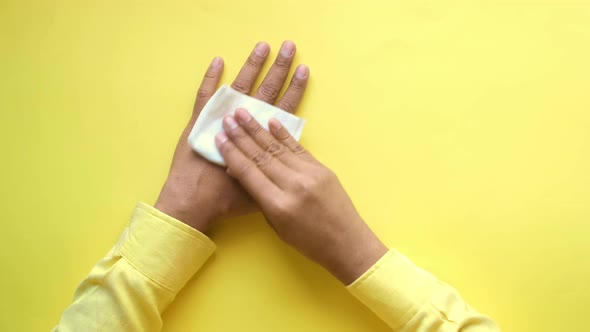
(198, 192)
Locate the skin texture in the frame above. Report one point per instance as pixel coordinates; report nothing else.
(198, 192)
(302, 200)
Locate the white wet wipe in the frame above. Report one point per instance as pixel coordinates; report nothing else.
(225, 102)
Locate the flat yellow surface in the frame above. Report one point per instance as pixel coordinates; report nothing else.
(461, 129)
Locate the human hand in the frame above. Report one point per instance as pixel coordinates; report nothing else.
(302, 200)
(198, 192)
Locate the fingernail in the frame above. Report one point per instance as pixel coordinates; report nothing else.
(261, 49)
(288, 48)
(301, 72)
(230, 122)
(220, 138)
(243, 116)
(216, 62)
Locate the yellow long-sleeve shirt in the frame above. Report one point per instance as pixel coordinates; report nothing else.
(129, 289)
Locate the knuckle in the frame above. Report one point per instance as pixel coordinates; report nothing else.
(305, 186)
(210, 74)
(298, 149)
(277, 208)
(273, 207)
(287, 105)
(253, 61)
(324, 175)
(283, 63)
(284, 208)
(269, 91)
(261, 159)
(203, 93)
(299, 83)
(283, 135)
(242, 170)
(275, 149)
(253, 127)
(241, 86)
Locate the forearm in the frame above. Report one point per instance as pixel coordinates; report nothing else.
(410, 299)
(132, 285)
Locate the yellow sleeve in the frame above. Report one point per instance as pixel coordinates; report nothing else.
(409, 299)
(133, 284)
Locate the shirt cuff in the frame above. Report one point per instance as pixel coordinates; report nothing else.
(164, 249)
(394, 288)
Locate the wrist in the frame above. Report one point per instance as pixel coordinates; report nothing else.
(186, 206)
(358, 255)
(201, 224)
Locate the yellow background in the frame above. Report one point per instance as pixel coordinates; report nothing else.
(461, 129)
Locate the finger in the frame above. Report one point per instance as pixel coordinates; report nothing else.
(283, 136)
(273, 82)
(245, 171)
(292, 97)
(264, 139)
(250, 70)
(208, 85)
(274, 169)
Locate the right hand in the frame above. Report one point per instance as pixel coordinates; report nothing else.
(301, 199)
